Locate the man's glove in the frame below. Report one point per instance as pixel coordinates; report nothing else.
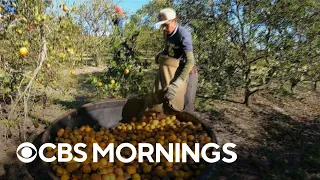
(171, 90)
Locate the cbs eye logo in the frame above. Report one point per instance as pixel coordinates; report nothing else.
(24, 152)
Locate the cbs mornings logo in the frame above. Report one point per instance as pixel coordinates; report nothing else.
(24, 152)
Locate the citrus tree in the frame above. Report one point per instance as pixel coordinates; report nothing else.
(95, 17)
(35, 43)
(124, 76)
(248, 44)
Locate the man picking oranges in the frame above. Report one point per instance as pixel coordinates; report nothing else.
(177, 78)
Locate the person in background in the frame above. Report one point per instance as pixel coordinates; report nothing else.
(119, 17)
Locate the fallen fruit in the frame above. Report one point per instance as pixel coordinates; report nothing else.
(23, 51)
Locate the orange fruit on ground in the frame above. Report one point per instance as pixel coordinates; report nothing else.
(86, 176)
(190, 137)
(95, 166)
(168, 164)
(60, 133)
(77, 175)
(103, 162)
(104, 171)
(120, 178)
(109, 177)
(208, 139)
(59, 170)
(119, 164)
(172, 138)
(95, 177)
(169, 169)
(129, 127)
(139, 127)
(99, 139)
(131, 170)
(71, 167)
(110, 164)
(144, 165)
(118, 172)
(147, 128)
(82, 128)
(23, 51)
(136, 176)
(159, 167)
(201, 138)
(105, 177)
(49, 154)
(87, 139)
(86, 169)
(161, 172)
(110, 170)
(88, 129)
(147, 169)
(112, 140)
(65, 177)
(65, 171)
(66, 135)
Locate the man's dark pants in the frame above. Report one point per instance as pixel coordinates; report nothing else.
(191, 90)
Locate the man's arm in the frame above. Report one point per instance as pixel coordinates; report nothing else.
(190, 61)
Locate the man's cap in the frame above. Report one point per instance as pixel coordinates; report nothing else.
(166, 15)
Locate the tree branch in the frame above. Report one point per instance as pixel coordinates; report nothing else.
(26, 93)
(256, 59)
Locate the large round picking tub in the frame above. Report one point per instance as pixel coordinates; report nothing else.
(108, 114)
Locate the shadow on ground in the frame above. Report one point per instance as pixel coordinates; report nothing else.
(75, 104)
(283, 149)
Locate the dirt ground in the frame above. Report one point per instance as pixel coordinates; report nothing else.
(276, 137)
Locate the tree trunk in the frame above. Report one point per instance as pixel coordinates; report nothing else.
(247, 94)
(247, 91)
(294, 83)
